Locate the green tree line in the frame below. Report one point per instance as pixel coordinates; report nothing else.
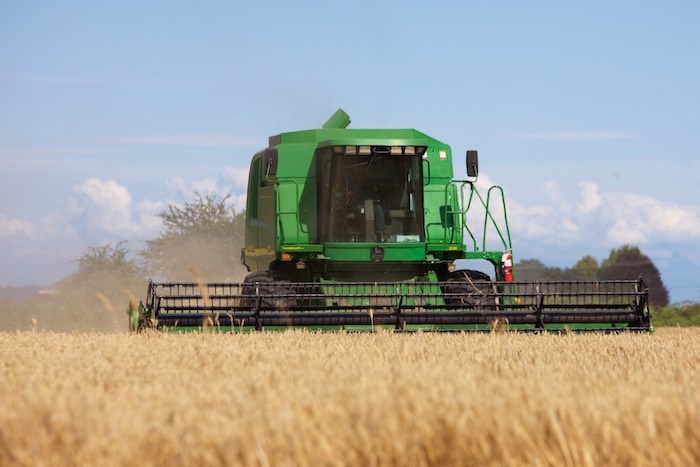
(626, 262)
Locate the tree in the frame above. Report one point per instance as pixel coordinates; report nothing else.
(529, 270)
(586, 269)
(107, 258)
(628, 262)
(202, 238)
(624, 263)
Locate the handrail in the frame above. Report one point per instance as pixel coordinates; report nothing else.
(464, 207)
(466, 210)
(505, 217)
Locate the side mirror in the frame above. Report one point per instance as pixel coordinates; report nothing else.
(472, 164)
(269, 165)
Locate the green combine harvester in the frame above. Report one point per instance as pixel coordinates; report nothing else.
(359, 229)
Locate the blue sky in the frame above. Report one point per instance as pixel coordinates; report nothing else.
(586, 113)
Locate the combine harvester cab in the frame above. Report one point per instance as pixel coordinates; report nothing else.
(357, 229)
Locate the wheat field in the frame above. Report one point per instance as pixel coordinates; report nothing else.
(298, 398)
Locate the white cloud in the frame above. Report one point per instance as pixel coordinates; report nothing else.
(236, 187)
(106, 203)
(544, 221)
(42, 256)
(205, 186)
(9, 226)
(179, 185)
(590, 198)
(151, 207)
(605, 219)
(531, 220)
(107, 207)
(553, 191)
(641, 219)
(623, 231)
(569, 229)
(551, 220)
(54, 225)
(208, 186)
(238, 176)
(238, 202)
(149, 220)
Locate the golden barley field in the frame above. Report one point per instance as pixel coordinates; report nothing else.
(298, 398)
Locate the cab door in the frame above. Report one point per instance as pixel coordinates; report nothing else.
(260, 217)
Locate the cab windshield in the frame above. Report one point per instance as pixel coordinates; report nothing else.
(376, 197)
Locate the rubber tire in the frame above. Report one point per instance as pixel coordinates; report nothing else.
(473, 287)
(269, 284)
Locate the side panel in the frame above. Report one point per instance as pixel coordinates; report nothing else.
(362, 252)
(296, 197)
(442, 221)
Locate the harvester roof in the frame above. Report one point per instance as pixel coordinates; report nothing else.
(344, 136)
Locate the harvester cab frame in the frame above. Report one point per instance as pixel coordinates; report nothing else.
(361, 228)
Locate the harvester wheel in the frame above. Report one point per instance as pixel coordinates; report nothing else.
(274, 289)
(470, 289)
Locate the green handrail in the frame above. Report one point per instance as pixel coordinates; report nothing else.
(488, 215)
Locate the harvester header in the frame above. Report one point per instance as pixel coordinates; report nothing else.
(357, 228)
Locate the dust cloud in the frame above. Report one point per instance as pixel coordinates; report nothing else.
(76, 303)
(98, 302)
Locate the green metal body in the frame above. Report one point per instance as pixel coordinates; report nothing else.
(289, 204)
